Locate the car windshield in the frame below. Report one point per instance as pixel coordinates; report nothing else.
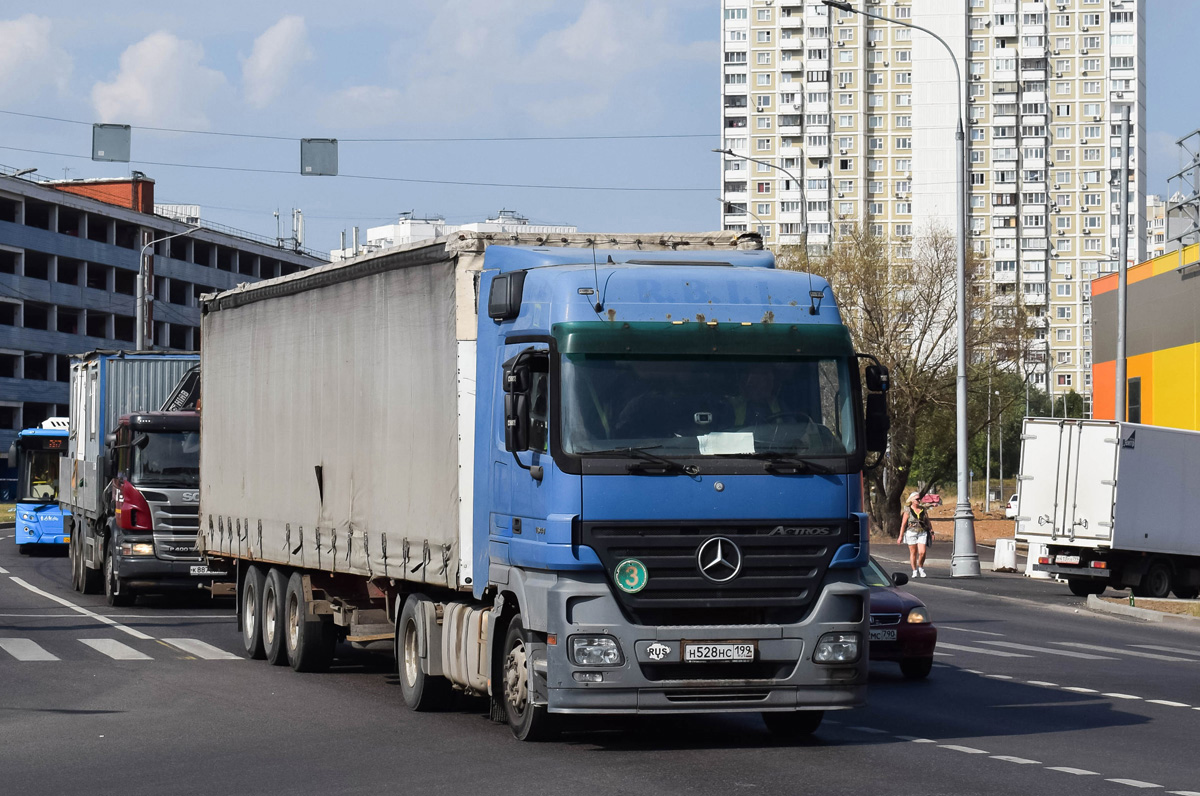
(873, 574)
(39, 477)
(167, 458)
(707, 406)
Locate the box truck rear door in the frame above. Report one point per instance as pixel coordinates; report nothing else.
(1091, 485)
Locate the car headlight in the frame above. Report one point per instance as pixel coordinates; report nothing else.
(837, 648)
(596, 651)
(918, 616)
(137, 549)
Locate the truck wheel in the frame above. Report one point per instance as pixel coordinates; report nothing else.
(251, 604)
(89, 579)
(916, 668)
(271, 618)
(1156, 583)
(1082, 587)
(116, 593)
(310, 641)
(528, 722)
(793, 724)
(422, 692)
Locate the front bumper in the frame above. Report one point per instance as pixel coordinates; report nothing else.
(782, 677)
(912, 641)
(39, 533)
(148, 572)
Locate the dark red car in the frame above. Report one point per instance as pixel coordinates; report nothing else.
(900, 627)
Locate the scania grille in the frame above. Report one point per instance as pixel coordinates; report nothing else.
(781, 568)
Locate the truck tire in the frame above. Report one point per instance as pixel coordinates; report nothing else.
(916, 668)
(528, 722)
(1082, 587)
(1156, 583)
(116, 593)
(793, 724)
(422, 692)
(84, 579)
(1186, 592)
(250, 601)
(310, 641)
(271, 617)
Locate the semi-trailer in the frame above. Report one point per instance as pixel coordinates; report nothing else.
(574, 474)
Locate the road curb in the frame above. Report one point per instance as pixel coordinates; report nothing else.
(1103, 606)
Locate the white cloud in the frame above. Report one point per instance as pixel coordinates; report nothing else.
(30, 60)
(162, 80)
(277, 53)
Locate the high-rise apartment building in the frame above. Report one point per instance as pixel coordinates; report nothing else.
(855, 121)
(1156, 226)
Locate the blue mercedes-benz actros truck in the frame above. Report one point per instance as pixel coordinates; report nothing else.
(576, 474)
(34, 455)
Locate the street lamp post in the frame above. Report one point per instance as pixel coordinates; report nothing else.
(142, 293)
(964, 562)
(761, 223)
(799, 187)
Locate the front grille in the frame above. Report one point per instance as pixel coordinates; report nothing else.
(782, 566)
(884, 619)
(178, 518)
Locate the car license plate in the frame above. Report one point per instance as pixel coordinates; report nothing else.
(201, 569)
(883, 635)
(1067, 560)
(718, 653)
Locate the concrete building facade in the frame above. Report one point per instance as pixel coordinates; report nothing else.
(861, 115)
(68, 280)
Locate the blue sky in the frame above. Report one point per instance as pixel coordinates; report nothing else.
(434, 69)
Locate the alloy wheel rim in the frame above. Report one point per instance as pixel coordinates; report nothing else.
(411, 662)
(249, 620)
(293, 627)
(269, 616)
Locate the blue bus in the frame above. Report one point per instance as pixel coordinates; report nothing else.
(35, 455)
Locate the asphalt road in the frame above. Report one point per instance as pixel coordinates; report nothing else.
(1031, 694)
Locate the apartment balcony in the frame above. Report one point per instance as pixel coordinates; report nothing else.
(737, 196)
(1034, 96)
(789, 152)
(1004, 121)
(1004, 277)
(1004, 211)
(1004, 31)
(818, 151)
(1005, 233)
(1036, 277)
(791, 129)
(1033, 163)
(817, 44)
(795, 22)
(1004, 75)
(1034, 74)
(1034, 299)
(817, 194)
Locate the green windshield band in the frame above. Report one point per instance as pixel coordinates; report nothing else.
(699, 339)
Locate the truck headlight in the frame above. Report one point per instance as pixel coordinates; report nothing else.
(596, 651)
(137, 549)
(918, 616)
(837, 648)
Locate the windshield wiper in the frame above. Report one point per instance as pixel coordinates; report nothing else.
(649, 460)
(783, 462)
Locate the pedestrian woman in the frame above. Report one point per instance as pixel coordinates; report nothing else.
(916, 532)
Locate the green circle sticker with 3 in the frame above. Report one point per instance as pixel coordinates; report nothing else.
(631, 576)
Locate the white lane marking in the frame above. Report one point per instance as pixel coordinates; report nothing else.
(1079, 772)
(914, 739)
(969, 750)
(1176, 650)
(1021, 761)
(998, 676)
(995, 653)
(1121, 696)
(1079, 690)
(81, 610)
(1134, 653)
(112, 616)
(1168, 703)
(115, 649)
(24, 649)
(1184, 792)
(1134, 783)
(1042, 683)
(1087, 656)
(3, 571)
(208, 652)
(871, 730)
(942, 655)
(969, 630)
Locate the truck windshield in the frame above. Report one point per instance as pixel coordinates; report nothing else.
(39, 477)
(166, 458)
(708, 406)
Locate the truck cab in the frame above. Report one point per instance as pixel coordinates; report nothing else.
(154, 461)
(34, 455)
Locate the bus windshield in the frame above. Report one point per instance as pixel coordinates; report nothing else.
(38, 481)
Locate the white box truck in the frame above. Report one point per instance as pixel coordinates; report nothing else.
(1115, 504)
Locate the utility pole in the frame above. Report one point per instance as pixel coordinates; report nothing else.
(987, 468)
(1120, 409)
(144, 294)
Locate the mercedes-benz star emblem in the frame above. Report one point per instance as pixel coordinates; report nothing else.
(719, 559)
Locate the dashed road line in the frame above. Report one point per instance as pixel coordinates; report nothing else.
(1121, 696)
(79, 609)
(1079, 772)
(115, 649)
(206, 651)
(1021, 761)
(969, 630)
(994, 653)
(24, 649)
(1134, 783)
(1176, 650)
(1169, 703)
(968, 750)
(1087, 656)
(998, 676)
(1042, 683)
(1134, 653)
(1079, 689)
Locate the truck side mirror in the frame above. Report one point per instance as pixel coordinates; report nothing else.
(504, 298)
(878, 379)
(516, 421)
(878, 423)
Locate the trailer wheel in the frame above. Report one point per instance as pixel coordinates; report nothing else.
(116, 593)
(251, 605)
(272, 617)
(422, 692)
(1082, 587)
(310, 641)
(793, 724)
(528, 722)
(89, 579)
(1156, 583)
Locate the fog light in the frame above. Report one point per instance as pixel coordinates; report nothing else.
(837, 648)
(589, 677)
(918, 616)
(595, 651)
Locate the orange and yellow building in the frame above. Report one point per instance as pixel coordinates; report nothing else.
(1162, 341)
